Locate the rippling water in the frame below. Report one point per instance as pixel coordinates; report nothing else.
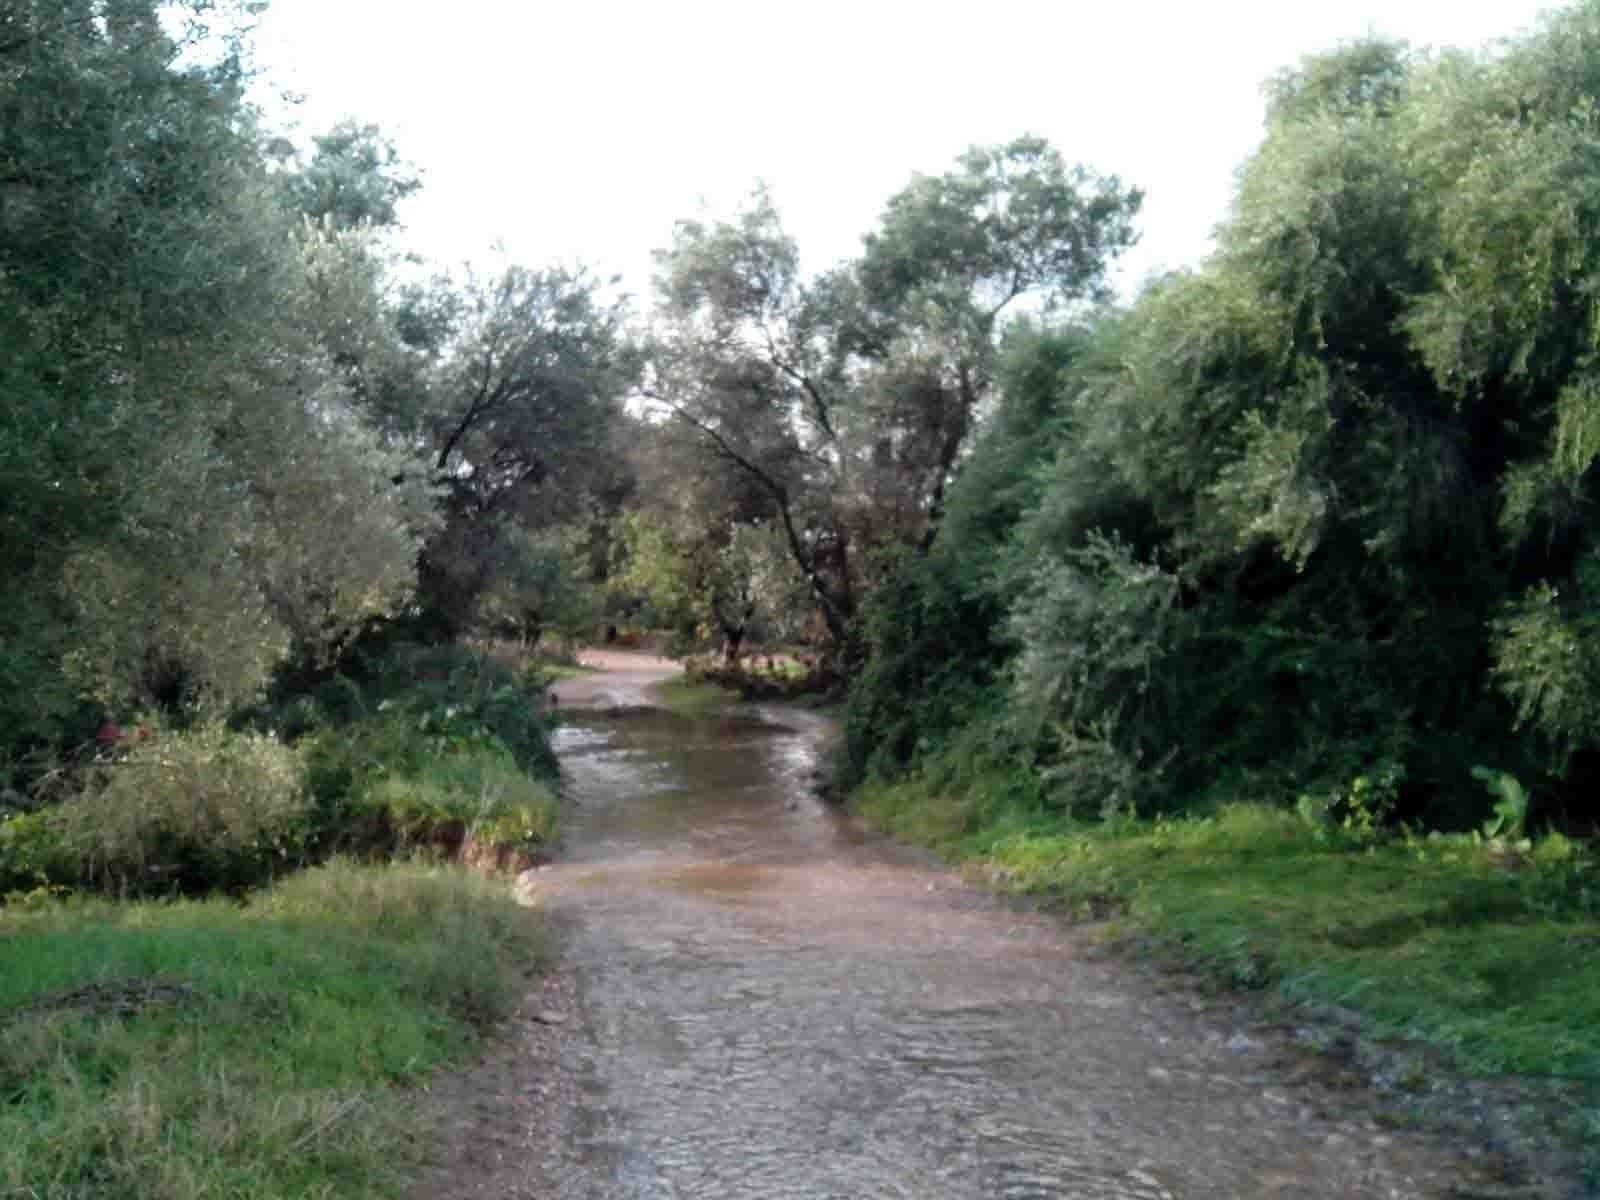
(775, 1004)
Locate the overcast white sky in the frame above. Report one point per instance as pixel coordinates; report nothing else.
(582, 130)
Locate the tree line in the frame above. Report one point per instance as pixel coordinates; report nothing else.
(1307, 521)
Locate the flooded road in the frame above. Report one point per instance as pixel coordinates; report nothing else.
(772, 1003)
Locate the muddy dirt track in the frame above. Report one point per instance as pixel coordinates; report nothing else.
(760, 999)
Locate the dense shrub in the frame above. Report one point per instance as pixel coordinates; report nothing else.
(935, 630)
(448, 689)
(412, 745)
(193, 811)
(399, 781)
(1316, 512)
(436, 749)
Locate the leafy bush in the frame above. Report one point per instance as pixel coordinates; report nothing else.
(187, 811)
(447, 690)
(1315, 512)
(426, 746)
(472, 792)
(32, 854)
(418, 748)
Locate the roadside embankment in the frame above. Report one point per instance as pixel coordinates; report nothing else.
(1475, 947)
(257, 1050)
(228, 948)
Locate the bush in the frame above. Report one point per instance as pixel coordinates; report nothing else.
(32, 855)
(410, 748)
(450, 689)
(426, 747)
(475, 792)
(421, 746)
(190, 812)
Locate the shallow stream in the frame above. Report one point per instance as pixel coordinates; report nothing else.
(773, 1003)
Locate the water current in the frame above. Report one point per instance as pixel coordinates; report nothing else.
(774, 1003)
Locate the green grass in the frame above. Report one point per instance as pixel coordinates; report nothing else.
(478, 787)
(554, 670)
(1494, 957)
(693, 697)
(254, 1051)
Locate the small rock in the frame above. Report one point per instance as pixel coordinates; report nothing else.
(1240, 1044)
(548, 1016)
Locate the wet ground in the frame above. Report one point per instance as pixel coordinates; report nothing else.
(763, 1000)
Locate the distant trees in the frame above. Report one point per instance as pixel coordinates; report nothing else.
(701, 550)
(525, 380)
(848, 400)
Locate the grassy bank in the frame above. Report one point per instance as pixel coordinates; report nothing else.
(689, 696)
(209, 1048)
(1480, 947)
(433, 748)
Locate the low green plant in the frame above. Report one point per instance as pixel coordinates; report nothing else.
(174, 1051)
(1510, 815)
(689, 697)
(1436, 937)
(477, 792)
(187, 811)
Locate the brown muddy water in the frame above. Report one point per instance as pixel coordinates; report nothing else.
(772, 1003)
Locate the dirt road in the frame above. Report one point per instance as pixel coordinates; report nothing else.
(762, 1000)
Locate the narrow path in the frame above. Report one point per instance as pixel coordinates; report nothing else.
(762, 1000)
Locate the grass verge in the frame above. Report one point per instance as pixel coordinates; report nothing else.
(174, 1050)
(1492, 955)
(690, 697)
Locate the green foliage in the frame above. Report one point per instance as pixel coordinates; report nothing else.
(191, 811)
(172, 1051)
(188, 488)
(405, 780)
(845, 403)
(1437, 937)
(1510, 817)
(200, 810)
(709, 583)
(694, 698)
(524, 377)
(424, 748)
(541, 587)
(1311, 519)
(1095, 632)
(355, 177)
(934, 630)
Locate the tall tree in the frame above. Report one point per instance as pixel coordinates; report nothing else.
(529, 380)
(175, 433)
(850, 398)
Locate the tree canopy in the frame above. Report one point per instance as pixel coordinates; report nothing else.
(1315, 511)
(848, 399)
